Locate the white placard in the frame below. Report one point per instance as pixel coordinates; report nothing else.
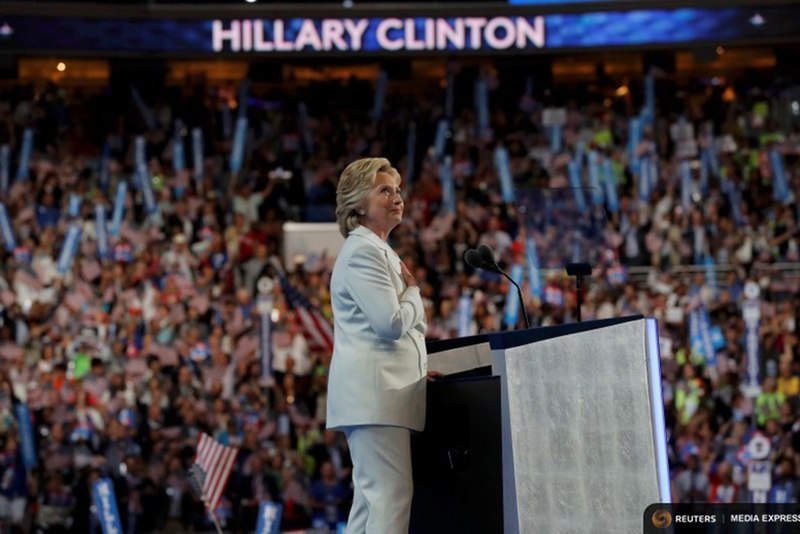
(759, 475)
(554, 116)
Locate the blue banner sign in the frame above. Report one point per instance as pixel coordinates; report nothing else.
(390, 34)
(269, 518)
(26, 436)
(68, 249)
(106, 503)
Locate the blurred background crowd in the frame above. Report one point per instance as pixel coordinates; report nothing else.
(124, 360)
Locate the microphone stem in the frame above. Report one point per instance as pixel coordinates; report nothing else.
(519, 292)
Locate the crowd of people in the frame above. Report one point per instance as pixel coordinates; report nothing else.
(123, 358)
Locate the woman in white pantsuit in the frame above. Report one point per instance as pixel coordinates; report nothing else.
(376, 387)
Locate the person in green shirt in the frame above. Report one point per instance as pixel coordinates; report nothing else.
(768, 402)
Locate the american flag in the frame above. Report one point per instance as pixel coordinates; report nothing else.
(7, 298)
(185, 286)
(11, 351)
(211, 470)
(200, 303)
(316, 327)
(167, 355)
(245, 346)
(91, 270)
(137, 238)
(75, 301)
(26, 278)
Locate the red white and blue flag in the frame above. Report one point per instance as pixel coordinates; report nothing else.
(317, 329)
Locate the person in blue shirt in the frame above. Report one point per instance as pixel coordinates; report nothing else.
(13, 487)
(47, 211)
(325, 498)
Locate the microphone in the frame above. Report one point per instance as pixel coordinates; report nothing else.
(476, 261)
(487, 254)
(483, 258)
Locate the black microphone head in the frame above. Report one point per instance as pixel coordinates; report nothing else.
(473, 259)
(487, 254)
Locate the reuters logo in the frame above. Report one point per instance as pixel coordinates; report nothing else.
(662, 519)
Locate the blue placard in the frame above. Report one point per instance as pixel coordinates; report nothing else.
(146, 185)
(465, 314)
(650, 98)
(503, 168)
(239, 140)
(5, 166)
(644, 178)
(74, 205)
(26, 436)
(555, 138)
(594, 178)
(735, 200)
(106, 503)
(709, 351)
(751, 315)
(197, 153)
(25, 154)
(5, 230)
(711, 274)
(119, 208)
(695, 341)
(269, 518)
(634, 138)
(534, 271)
(717, 337)
(448, 185)
(577, 185)
(512, 298)
(144, 110)
(440, 139)
(68, 249)
(178, 158)
(610, 182)
(705, 169)
(101, 231)
(380, 95)
(686, 184)
(780, 184)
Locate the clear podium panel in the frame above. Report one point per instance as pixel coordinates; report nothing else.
(579, 445)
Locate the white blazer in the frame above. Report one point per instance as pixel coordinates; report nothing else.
(379, 369)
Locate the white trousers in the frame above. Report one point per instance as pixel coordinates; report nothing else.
(381, 478)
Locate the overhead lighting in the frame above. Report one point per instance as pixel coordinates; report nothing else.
(729, 95)
(6, 30)
(622, 90)
(251, 1)
(757, 19)
(61, 67)
(720, 50)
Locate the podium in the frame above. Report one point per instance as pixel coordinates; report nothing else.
(554, 429)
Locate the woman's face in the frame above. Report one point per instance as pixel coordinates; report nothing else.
(383, 205)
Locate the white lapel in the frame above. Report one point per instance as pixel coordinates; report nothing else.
(392, 259)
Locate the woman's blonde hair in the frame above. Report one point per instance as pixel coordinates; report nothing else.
(354, 185)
